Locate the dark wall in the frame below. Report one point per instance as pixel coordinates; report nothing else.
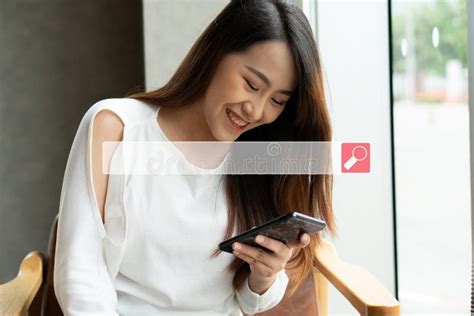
(57, 58)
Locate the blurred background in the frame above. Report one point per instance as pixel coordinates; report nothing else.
(396, 74)
(431, 146)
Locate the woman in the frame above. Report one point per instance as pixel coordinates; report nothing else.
(133, 244)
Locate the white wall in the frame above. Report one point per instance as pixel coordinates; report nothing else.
(170, 29)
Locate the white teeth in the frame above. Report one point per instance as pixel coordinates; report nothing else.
(235, 119)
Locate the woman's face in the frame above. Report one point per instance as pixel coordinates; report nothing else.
(249, 89)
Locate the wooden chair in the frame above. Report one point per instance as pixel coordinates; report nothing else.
(32, 292)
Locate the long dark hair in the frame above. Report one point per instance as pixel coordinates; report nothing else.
(255, 199)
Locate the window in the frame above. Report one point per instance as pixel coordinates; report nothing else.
(431, 141)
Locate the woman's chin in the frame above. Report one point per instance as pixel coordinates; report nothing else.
(227, 138)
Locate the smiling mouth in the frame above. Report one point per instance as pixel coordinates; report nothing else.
(237, 122)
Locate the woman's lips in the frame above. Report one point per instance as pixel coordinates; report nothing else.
(233, 124)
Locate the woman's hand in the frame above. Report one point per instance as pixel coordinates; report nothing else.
(265, 265)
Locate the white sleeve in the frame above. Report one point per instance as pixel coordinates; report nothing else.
(81, 279)
(252, 303)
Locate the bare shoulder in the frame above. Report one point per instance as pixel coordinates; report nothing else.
(107, 126)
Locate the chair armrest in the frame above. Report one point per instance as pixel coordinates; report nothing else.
(367, 294)
(16, 296)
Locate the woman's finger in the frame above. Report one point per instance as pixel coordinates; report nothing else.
(302, 242)
(255, 265)
(276, 246)
(269, 259)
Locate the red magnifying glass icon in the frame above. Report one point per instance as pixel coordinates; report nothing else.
(355, 157)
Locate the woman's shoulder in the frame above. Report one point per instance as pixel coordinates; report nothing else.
(127, 109)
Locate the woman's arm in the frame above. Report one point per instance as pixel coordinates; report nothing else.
(81, 279)
(251, 302)
(107, 127)
(267, 282)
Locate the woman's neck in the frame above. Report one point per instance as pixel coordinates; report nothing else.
(186, 123)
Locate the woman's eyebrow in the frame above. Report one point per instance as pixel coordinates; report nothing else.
(266, 80)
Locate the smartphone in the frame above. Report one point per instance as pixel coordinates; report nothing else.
(286, 228)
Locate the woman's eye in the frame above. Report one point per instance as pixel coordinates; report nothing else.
(256, 89)
(251, 87)
(279, 103)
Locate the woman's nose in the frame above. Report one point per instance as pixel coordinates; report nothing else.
(253, 112)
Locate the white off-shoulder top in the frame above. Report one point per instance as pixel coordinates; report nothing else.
(152, 254)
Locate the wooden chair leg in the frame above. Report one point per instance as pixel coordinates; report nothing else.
(321, 289)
